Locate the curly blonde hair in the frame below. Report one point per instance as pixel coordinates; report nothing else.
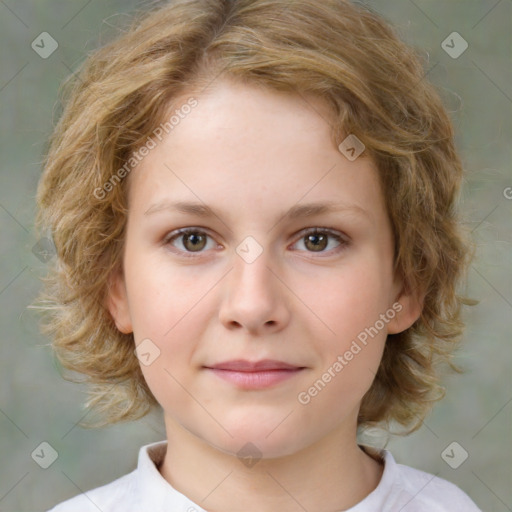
(375, 86)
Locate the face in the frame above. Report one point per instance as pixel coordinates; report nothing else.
(263, 297)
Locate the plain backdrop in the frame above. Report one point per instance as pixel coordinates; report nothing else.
(37, 405)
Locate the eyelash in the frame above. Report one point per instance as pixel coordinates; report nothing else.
(310, 231)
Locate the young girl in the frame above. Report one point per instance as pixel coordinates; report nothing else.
(252, 204)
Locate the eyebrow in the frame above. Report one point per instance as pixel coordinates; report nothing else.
(295, 212)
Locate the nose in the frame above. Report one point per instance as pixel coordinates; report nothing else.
(255, 298)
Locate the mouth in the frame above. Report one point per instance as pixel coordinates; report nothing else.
(254, 375)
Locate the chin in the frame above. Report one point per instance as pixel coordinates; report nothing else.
(258, 438)
(260, 447)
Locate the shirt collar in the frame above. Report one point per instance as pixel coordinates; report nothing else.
(159, 493)
(380, 496)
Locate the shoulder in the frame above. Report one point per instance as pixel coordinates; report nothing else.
(418, 491)
(142, 489)
(107, 498)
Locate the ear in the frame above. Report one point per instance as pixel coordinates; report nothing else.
(408, 306)
(117, 301)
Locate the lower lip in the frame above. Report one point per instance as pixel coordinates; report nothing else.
(255, 380)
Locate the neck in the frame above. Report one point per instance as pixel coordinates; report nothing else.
(334, 472)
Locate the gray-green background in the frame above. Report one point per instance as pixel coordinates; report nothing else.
(37, 405)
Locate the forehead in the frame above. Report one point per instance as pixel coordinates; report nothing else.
(243, 147)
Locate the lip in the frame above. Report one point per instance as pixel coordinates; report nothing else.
(254, 374)
(242, 365)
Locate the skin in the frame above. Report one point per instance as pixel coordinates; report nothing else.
(252, 154)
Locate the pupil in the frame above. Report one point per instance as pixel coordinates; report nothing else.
(194, 239)
(316, 244)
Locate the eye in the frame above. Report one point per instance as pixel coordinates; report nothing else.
(194, 240)
(317, 239)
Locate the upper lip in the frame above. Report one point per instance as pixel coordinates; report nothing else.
(242, 365)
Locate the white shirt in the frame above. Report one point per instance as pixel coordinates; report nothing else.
(401, 488)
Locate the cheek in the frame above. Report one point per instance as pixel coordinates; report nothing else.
(166, 308)
(350, 300)
(355, 313)
(163, 298)
(174, 334)
(350, 352)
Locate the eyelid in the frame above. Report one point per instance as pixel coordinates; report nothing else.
(177, 233)
(338, 235)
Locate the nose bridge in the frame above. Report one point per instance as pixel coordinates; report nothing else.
(254, 298)
(252, 279)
